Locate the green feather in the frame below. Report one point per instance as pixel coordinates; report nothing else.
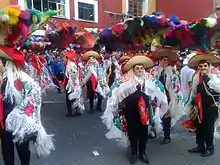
(36, 16)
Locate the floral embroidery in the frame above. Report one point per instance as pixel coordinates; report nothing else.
(214, 71)
(18, 85)
(159, 84)
(29, 109)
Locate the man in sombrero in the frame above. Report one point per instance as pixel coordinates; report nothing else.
(91, 79)
(133, 93)
(20, 111)
(202, 107)
(166, 74)
(112, 68)
(74, 99)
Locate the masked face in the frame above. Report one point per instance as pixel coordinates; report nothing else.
(138, 70)
(113, 58)
(164, 62)
(204, 68)
(91, 59)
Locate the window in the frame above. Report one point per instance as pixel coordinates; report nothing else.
(41, 5)
(44, 5)
(57, 5)
(135, 7)
(86, 10)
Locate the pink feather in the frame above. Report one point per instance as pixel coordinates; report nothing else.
(24, 15)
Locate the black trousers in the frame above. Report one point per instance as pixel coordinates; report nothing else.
(70, 110)
(69, 104)
(166, 123)
(205, 129)
(59, 77)
(7, 146)
(111, 79)
(138, 137)
(91, 96)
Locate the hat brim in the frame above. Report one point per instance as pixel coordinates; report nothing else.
(195, 60)
(142, 60)
(89, 54)
(4, 55)
(165, 52)
(124, 58)
(12, 54)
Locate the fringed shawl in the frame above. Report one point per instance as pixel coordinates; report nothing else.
(173, 86)
(73, 86)
(25, 118)
(122, 88)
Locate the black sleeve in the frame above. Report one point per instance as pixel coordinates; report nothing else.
(206, 78)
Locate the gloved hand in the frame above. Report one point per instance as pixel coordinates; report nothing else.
(152, 123)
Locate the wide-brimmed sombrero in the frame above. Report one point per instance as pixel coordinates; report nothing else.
(123, 58)
(165, 52)
(196, 59)
(90, 54)
(139, 59)
(116, 54)
(12, 54)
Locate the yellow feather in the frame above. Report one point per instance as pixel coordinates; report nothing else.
(13, 20)
(34, 19)
(13, 14)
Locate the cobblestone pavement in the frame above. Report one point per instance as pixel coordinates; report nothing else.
(78, 139)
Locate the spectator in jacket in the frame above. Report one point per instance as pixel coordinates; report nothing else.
(58, 68)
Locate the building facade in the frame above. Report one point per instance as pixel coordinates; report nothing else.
(80, 13)
(189, 10)
(138, 7)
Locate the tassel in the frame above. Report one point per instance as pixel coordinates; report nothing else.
(94, 82)
(144, 117)
(199, 106)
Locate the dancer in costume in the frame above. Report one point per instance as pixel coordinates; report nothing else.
(113, 71)
(74, 99)
(91, 79)
(129, 109)
(21, 96)
(168, 77)
(20, 119)
(202, 107)
(36, 68)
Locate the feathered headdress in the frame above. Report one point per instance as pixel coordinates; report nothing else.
(16, 23)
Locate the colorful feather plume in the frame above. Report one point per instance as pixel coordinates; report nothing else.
(200, 34)
(62, 37)
(16, 23)
(35, 45)
(86, 38)
(47, 15)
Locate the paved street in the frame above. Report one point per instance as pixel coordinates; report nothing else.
(77, 138)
